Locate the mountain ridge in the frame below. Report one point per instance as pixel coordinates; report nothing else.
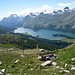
(60, 20)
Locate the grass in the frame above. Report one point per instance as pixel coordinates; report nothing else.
(31, 65)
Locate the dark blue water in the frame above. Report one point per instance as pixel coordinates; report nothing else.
(47, 34)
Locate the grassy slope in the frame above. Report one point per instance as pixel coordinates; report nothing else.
(30, 65)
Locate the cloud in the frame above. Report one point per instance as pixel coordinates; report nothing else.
(29, 10)
(73, 2)
(64, 4)
(26, 12)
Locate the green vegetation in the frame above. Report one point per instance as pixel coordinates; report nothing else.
(23, 41)
(59, 22)
(28, 64)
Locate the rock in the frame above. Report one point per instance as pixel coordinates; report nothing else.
(0, 63)
(31, 69)
(41, 50)
(2, 71)
(66, 65)
(64, 71)
(57, 67)
(46, 63)
(16, 61)
(22, 56)
(54, 63)
(61, 68)
(10, 49)
(73, 58)
(1, 50)
(73, 68)
(45, 69)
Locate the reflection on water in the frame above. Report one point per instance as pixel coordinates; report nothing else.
(42, 33)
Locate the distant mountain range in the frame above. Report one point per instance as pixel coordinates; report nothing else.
(60, 20)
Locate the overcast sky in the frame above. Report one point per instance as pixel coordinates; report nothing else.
(19, 7)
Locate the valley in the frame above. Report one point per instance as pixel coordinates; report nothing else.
(23, 38)
(28, 62)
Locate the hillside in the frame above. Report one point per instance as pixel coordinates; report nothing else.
(16, 62)
(59, 21)
(4, 29)
(10, 21)
(28, 42)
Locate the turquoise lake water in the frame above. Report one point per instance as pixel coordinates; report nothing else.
(47, 34)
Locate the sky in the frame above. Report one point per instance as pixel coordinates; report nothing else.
(24, 7)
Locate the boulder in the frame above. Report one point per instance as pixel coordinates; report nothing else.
(54, 63)
(66, 65)
(73, 68)
(0, 63)
(22, 56)
(46, 63)
(73, 58)
(41, 50)
(57, 67)
(66, 71)
(16, 61)
(2, 71)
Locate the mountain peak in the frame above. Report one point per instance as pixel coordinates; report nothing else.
(13, 15)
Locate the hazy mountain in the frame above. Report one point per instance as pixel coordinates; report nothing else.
(10, 21)
(62, 20)
(4, 30)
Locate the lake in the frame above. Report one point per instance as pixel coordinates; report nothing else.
(47, 34)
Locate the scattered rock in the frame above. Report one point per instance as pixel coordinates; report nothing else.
(31, 69)
(73, 58)
(66, 71)
(2, 71)
(0, 63)
(45, 69)
(66, 65)
(61, 68)
(57, 67)
(46, 63)
(22, 56)
(10, 49)
(1, 50)
(54, 63)
(16, 61)
(41, 50)
(73, 68)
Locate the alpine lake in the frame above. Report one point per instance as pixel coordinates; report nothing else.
(47, 34)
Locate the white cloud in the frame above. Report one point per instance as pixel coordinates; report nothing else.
(64, 4)
(29, 10)
(73, 2)
(25, 12)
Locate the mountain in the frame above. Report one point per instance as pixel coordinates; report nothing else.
(4, 30)
(10, 21)
(60, 20)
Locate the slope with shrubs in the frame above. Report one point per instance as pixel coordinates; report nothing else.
(28, 42)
